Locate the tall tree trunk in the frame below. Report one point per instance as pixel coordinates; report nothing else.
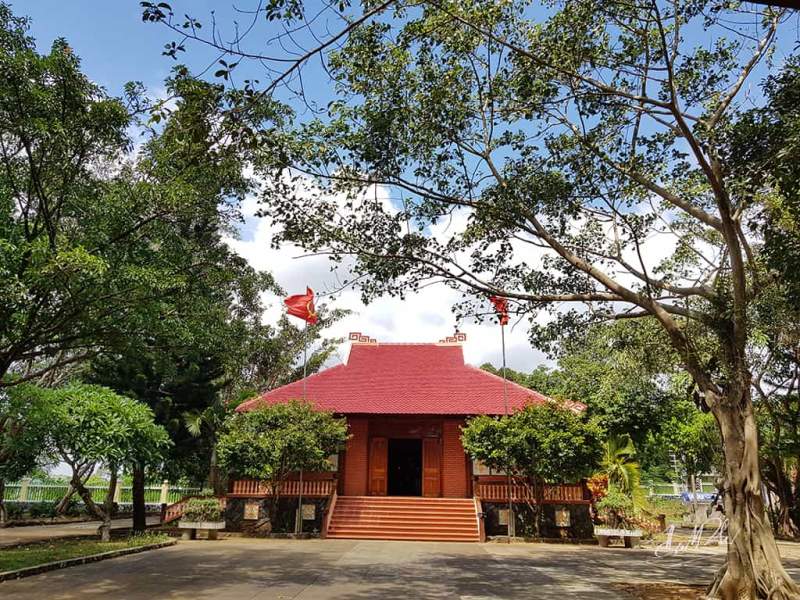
(213, 473)
(3, 513)
(753, 569)
(139, 509)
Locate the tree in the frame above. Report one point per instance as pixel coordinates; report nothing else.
(271, 442)
(566, 143)
(24, 419)
(539, 443)
(769, 171)
(621, 371)
(692, 437)
(94, 425)
(545, 442)
(101, 246)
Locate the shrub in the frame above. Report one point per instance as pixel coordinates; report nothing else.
(615, 509)
(73, 508)
(202, 509)
(42, 510)
(15, 511)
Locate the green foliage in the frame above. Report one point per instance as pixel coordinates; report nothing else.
(202, 509)
(618, 371)
(272, 441)
(91, 423)
(107, 252)
(693, 437)
(25, 413)
(616, 508)
(544, 441)
(619, 463)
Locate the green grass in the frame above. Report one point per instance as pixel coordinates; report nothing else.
(30, 555)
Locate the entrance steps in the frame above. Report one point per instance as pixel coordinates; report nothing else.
(404, 518)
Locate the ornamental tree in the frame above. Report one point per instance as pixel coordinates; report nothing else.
(92, 425)
(25, 413)
(571, 157)
(539, 443)
(544, 442)
(270, 442)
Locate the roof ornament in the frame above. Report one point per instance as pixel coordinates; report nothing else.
(359, 338)
(457, 338)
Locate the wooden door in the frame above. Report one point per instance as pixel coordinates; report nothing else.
(378, 466)
(431, 468)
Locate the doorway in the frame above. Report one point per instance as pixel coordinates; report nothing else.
(405, 467)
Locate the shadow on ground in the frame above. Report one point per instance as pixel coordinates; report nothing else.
(353, 570)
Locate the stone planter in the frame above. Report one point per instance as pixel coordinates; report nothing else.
(191, 527)
(630, 537)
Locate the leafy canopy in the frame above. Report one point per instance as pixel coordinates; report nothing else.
(92, 424)
(543, 441)
(270, 442)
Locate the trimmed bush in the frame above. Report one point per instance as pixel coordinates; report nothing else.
(202, 509)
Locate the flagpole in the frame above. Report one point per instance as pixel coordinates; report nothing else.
(511, 521)
(299, 521)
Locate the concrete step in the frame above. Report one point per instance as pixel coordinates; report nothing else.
(400, 527)
(426, 518)
(417, 536)
(404, 518)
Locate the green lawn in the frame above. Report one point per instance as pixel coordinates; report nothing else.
(39, 553)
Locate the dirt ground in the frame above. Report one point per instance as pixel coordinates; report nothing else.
(663, 591)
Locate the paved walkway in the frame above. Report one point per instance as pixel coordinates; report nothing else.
(360, 570)
(10, 536)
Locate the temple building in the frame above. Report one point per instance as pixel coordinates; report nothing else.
(404, 473)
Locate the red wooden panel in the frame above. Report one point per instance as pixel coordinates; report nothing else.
(431, 468)
(378, 463)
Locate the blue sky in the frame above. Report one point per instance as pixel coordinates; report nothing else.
(116, 46)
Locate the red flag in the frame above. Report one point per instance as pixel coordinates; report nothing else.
(302, 306)
(501, 306)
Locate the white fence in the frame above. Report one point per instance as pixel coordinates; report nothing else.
(34, 491)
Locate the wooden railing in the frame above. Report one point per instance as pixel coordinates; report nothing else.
(497, 491)
(328, 515)
(319, 488)
(175, 511)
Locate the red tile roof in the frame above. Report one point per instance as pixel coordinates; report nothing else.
(419, 379)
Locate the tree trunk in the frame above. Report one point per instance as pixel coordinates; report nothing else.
(139, 509)
(753, 569)
(105, 527)
(61, 507)
(3, 513)
(108, 503)
(213, 473)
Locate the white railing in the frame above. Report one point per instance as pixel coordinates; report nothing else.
(34, 491)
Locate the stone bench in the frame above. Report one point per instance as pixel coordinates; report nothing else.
(630, 537)
(190, 528)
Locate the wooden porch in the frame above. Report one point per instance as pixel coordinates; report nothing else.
(314, 485)
(494, 488)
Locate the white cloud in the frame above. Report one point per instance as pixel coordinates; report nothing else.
(425, 316)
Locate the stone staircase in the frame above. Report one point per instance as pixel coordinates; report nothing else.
(404, 518)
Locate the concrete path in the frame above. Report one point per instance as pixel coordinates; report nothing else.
(11, 536)
(238, 568)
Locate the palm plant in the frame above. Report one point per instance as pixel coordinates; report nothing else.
(620, 465)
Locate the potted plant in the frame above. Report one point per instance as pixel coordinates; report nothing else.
(202, 513)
